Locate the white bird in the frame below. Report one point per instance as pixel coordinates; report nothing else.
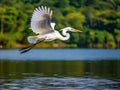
(42, 26)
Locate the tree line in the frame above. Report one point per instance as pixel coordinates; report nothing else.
(99, 20)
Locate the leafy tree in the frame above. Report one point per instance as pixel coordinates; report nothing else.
(109, 40)
(77, 3)
(62, 3)
(117, 37)
(99, 20)
(76, 19)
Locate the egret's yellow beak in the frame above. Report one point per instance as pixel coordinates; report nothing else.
(77, 30)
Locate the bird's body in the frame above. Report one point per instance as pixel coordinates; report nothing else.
(45, 30)
(50, 36)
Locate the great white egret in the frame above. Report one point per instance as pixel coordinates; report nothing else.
(42, 26)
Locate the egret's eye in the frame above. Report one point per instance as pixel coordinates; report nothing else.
(72, 29)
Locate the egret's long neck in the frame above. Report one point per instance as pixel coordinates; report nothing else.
(66, 35)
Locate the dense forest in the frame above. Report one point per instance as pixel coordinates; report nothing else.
(98, 19)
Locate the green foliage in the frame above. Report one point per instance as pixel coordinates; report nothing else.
(7, 41)
(75, 19)
(99, 20)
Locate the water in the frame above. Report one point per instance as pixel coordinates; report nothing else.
(60, 69)
(62, 54)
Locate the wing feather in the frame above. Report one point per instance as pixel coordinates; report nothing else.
(40, 21)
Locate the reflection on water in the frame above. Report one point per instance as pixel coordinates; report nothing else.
(55, 75)
(105, 69)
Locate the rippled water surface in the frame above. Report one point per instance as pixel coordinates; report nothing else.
(86, 72)
(64, 83)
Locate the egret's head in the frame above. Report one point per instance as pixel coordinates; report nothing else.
(72, 29)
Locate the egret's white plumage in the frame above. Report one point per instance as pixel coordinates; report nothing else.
(45, 30)
(40, 21)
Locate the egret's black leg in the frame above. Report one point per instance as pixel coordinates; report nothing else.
(28, 48)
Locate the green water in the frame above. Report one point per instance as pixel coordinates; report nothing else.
(22, 69)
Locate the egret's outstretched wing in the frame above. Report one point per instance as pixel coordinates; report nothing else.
(40, 22)
(53, 25)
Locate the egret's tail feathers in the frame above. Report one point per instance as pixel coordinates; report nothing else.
(32, 39)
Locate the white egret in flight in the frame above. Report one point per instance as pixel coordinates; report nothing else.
(42, 26)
